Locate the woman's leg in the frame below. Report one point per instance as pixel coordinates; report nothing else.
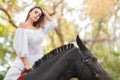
(12, 73)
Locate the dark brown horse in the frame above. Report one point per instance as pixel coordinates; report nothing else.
(66, 62)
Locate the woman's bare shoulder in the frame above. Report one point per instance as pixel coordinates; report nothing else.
(22, 25)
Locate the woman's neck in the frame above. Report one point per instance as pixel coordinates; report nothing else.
(29, 21)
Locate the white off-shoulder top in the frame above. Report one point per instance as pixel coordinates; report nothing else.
(27, 43)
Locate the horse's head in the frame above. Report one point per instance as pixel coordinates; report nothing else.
(91, 61)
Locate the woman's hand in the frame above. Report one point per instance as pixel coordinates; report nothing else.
(49, 18)
(44, 11)
(28, 67)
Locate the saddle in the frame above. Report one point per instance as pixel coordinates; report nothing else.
(24, 73)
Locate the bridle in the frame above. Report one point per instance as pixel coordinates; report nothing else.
(94, 70)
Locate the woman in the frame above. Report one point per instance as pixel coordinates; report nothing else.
(27, 41)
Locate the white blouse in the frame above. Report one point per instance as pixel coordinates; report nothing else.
(27, 43)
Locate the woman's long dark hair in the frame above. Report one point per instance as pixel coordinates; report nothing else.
(40, 21)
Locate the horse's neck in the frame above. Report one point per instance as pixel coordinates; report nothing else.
(62, 66)
(68, 73)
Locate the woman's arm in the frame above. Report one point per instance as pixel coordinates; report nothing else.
(49, 18)
(27, 66)
(50, 23)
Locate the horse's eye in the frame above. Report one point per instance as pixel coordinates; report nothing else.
(86, 60)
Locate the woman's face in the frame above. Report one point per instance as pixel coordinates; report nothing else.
(35, 14)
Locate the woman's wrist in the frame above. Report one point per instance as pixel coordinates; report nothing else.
(24, 61)
(26, 65)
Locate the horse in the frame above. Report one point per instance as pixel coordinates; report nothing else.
(66, 62)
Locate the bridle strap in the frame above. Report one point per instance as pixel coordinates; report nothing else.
(94, 72)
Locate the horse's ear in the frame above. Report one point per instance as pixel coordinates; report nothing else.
(81, 44)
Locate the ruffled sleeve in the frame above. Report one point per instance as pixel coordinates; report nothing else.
(49, 26)
(20, 43)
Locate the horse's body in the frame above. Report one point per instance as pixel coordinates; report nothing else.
(66, 62)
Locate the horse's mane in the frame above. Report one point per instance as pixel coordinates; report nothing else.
(52, 53)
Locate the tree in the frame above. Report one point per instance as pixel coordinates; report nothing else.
(103, 38)
(8, 12)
